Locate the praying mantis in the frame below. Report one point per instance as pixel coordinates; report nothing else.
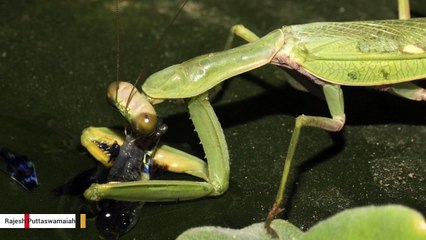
(279, 48)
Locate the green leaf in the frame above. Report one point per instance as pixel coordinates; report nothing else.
(383, 222)
(284, 230)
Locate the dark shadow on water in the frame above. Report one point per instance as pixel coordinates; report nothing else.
(81, 181)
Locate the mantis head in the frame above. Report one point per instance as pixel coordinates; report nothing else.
(134, 106)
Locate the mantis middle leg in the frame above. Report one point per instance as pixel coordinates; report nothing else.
(334, 97)
(335, 102)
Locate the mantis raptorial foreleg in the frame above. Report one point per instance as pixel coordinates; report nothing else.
(408, 90)
(217, 174)
(177, 161)
(103, 143)
(249, 36)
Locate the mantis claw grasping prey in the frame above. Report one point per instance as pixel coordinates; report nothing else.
(386, 54)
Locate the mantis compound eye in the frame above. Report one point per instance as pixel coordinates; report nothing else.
(144, 123)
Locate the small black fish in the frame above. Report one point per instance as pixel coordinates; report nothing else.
(20, 168)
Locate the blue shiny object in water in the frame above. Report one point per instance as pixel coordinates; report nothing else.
(20, 168)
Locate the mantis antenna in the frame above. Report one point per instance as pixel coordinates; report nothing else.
(117, 47)
(150, 54)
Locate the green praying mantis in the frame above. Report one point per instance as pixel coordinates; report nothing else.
(385, 54)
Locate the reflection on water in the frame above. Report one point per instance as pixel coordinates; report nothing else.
(20, 168)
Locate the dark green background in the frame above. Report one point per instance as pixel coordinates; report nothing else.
(57, 57)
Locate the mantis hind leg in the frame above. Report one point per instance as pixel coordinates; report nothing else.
(408, 90)
(334, 98)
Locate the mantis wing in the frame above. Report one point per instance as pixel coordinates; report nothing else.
(361, 53)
